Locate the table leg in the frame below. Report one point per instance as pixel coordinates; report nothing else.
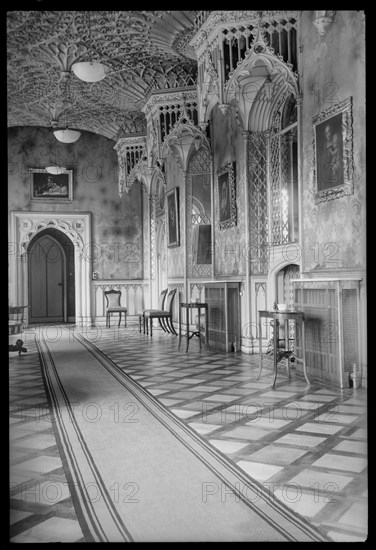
(275, 350)
(287, 344)
(207, 327)
(187, 321)
(179, 328)
(304, 353)
(260, 348)
(199, 325)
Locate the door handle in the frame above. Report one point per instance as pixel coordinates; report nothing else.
(60, 284)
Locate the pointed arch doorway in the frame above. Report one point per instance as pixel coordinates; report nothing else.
(76, 226)
(51, 277)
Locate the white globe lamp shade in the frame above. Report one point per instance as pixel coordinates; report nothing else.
(66, 135)
(56, 170)
(90, 71)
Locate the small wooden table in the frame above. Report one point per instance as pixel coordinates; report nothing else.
(277, 316)
(189, 306)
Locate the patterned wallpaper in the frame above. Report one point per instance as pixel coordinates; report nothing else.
(230, 251)
(334, 231)
(117, 241)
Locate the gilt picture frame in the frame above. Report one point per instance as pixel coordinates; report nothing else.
(48, 187)
(333, 152)
(173, 233)
(226, 196)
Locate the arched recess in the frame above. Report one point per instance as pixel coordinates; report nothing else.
(276, 279)
(77, 227)
(199, 215)
(51, 277)
(284, 290)
(283, 283)
(156, 224)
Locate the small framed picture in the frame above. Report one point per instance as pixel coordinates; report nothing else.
(227, 196)
(333, 152)
(50, 187)
(173, 217)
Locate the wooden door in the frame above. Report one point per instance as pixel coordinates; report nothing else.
(47, 281)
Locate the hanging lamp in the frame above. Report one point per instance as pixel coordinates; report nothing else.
(56, 168)
(90, 71)
(65, 134)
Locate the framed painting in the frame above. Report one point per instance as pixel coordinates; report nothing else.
(333, 152)
(50, 187)
(227, 196)
(173, 218)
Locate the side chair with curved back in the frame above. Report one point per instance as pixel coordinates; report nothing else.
(113, 306)
(161, 302)
(164, 316)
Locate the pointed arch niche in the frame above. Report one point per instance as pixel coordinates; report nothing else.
(77, 227)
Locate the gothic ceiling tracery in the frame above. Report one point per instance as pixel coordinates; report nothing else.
(146, 51)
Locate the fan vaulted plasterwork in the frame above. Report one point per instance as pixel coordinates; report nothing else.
(146, 51)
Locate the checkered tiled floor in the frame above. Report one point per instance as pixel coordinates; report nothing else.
(307, 445)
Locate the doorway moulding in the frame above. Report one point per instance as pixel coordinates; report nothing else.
(77, 226)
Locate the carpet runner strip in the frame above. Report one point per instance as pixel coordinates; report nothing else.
(138, 473)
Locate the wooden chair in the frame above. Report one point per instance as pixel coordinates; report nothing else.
(113, 306)
(16, 325)
(16, 316)
(141, 314)
(164, 316)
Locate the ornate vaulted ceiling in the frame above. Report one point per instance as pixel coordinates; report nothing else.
(145, 50)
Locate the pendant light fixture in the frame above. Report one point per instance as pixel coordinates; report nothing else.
(90, 71)
(56, 168)
(65, 134)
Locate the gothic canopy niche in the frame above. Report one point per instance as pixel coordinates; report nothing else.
(130, 151)
(184, 139)
(257, 84)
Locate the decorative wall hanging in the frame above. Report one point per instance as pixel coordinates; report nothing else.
(173, 218)
(227, 196)
(52, 188)
(333, 152)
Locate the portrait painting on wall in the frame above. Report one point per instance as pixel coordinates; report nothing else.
(329, 153)
(333, 152)
(51, 187)
(173, 217)
(226, 196)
